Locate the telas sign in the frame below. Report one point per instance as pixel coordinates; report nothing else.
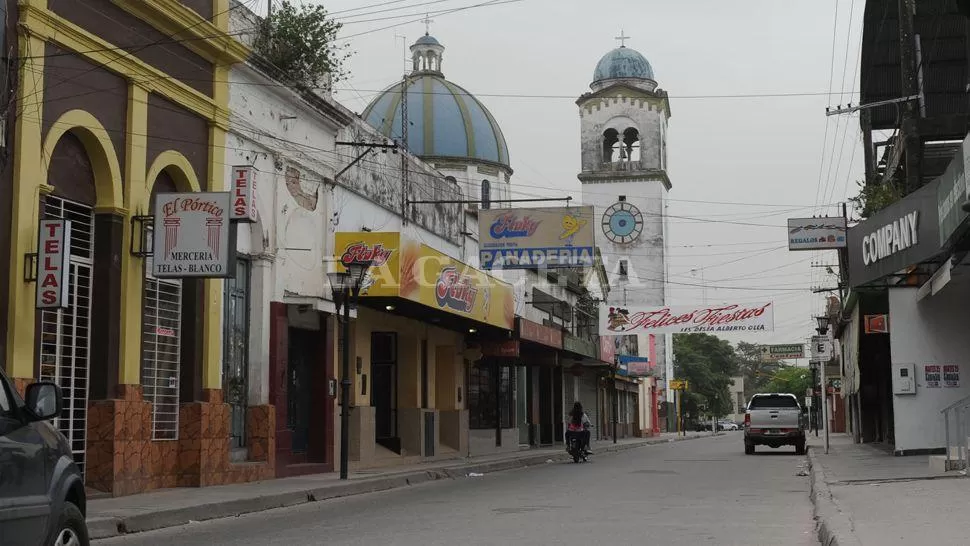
(898, 235)
(53, 252)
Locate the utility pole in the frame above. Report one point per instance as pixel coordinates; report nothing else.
(404, 157)
(910, 86)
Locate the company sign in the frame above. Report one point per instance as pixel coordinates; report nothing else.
(782, 352)
(615, 320)
(538, 237)
(53, 263)
(244, 194)
(191, 235)
(816, 233)
(950, 196)
(895, 238)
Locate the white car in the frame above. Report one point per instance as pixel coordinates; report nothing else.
(728, 425)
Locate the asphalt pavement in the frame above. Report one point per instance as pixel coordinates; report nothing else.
(685, 493)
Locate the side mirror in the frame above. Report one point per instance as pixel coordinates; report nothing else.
(44, 400)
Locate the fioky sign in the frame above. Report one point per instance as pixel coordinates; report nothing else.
(53, 251)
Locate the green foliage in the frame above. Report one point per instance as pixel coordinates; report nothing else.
(301, 42)
(756, 372)
(792, 380)
(708, 363)
(874, 197)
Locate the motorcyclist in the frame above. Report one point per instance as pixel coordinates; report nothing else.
(578, 426)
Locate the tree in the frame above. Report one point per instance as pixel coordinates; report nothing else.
(708, 364)
(792, 380)
(756, 372)
(301, 43)
(874, 197)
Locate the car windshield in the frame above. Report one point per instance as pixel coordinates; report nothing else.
(773, 401)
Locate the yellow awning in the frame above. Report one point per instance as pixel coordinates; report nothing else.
(414, 271)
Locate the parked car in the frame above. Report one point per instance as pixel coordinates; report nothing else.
(42, 498)
(774, 420)
(727, 425)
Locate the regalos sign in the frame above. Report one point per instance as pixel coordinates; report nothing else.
(53, 261)
(191, 235)
(615, 320)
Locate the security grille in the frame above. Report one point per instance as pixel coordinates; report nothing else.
(65, 341)
(161, 344)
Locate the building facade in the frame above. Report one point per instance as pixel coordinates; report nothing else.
(104, 124)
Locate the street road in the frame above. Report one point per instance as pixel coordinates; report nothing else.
(686, 493)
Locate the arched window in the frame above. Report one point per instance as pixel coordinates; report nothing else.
(631, 145)
(610, 148)
(486, 194)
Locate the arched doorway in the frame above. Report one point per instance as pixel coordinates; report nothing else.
(64, 340)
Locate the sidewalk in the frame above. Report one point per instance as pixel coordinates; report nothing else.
(172, 507)
(865, 495)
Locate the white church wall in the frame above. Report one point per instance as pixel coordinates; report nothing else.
(619, 112)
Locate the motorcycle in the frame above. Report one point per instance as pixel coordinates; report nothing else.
(575, 448)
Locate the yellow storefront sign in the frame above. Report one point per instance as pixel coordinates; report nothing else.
(414, 271)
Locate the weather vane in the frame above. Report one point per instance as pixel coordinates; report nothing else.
(427, 23)
(622, 38)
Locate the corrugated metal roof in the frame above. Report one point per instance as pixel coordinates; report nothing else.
(943, 39)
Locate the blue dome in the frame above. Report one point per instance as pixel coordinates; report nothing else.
(623, 62)
(427, 40)
(445, 120)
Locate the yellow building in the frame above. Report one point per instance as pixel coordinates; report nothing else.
(117, 101)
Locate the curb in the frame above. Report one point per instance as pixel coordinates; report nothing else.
(107, 527)
(832, 525)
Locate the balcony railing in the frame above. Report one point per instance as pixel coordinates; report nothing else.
(956, 423)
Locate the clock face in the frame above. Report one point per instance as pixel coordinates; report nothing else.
(622, 223)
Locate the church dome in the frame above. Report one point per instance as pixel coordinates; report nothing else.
(445, 120)
(623, 63)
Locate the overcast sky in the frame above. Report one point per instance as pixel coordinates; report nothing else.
(759, 158)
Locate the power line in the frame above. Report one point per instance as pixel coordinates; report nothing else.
(375, 12)
(448, 12)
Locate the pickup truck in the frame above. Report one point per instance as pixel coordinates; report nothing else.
(774, 420)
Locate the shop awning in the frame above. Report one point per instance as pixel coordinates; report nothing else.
(411, 278)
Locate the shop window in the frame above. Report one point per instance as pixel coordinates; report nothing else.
(161, 348)
(482, 396)
(235, 365)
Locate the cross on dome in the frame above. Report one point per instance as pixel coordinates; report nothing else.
(427, 23)
(622, 38)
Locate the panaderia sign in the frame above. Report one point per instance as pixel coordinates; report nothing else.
(901, 235)
(733, 317)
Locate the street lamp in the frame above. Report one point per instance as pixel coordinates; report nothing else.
(346, 289)
(823, 324)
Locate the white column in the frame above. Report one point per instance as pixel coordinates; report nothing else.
(260, 294)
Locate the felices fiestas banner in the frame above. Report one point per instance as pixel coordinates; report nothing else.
(621, 320)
